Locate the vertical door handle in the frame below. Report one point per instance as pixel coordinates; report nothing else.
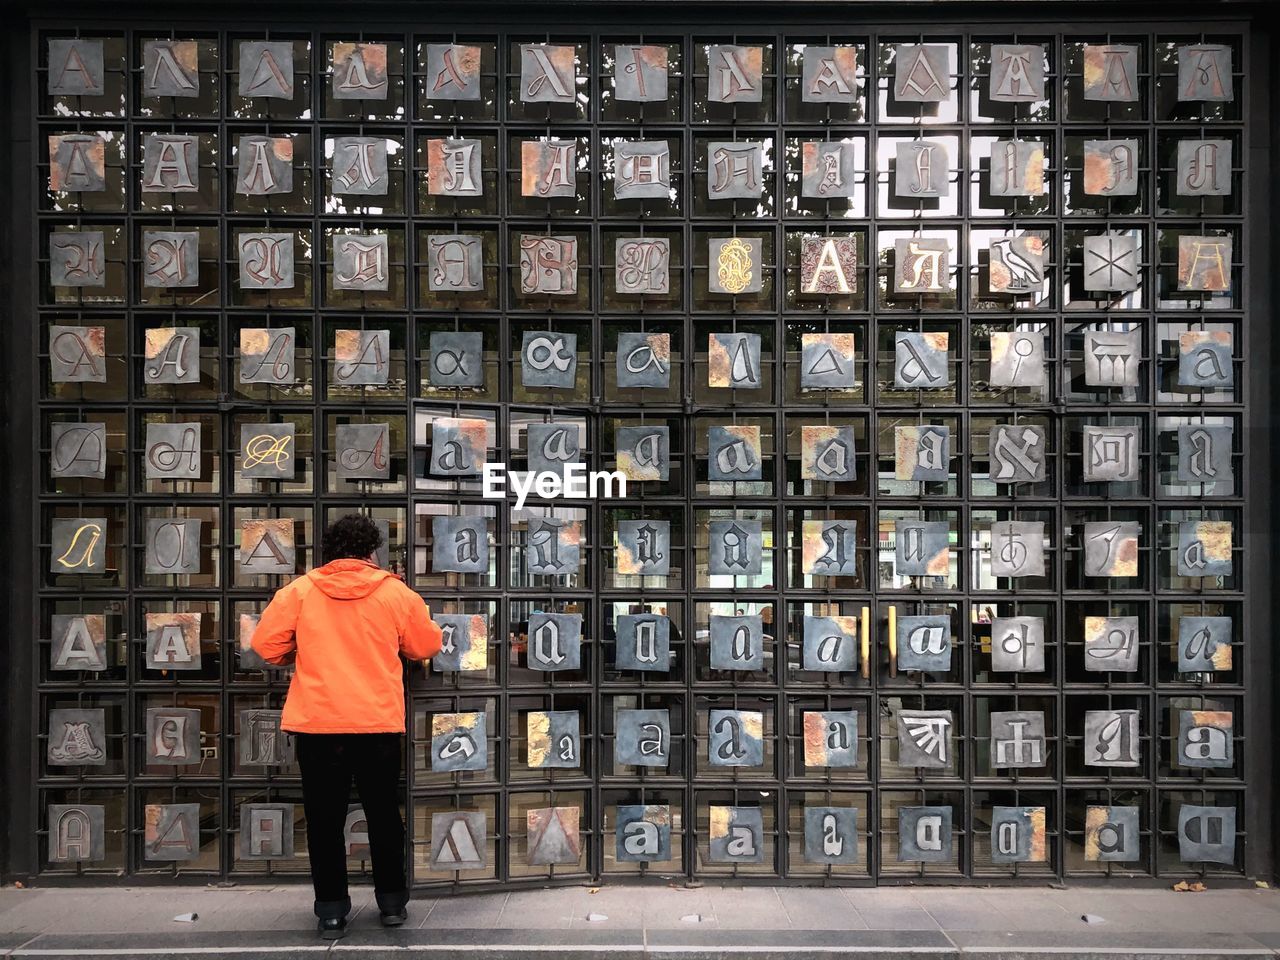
(866, 643)
(893, 641)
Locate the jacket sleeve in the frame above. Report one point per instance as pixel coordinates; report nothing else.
(420, 636)
(276, 639)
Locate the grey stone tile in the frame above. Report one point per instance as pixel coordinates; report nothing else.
(477, 910)
(748, 908)
(809, 909)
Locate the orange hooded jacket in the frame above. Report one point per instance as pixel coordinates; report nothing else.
(347, 623)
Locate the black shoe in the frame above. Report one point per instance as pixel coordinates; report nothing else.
(395, 919)
(334, 929)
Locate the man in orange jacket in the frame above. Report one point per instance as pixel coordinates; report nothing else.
(344, 626)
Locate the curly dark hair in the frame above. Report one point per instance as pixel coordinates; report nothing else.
(354, 535)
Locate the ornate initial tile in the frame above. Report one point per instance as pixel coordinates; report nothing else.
(553, 835)
(828, 266)
(734, 170)
(548, 265)
(1204, 644)
(553, 547)
(1206, 739)
(172, 547)
(643, 642)
(1111, 168)
(1018, 835)
(173, 736)
(453, 72)
(734, 453)
(264, 166)
(830, 738)
(77, 738)
(1017, 73)
(78, 546)
(1204, 359)
(643, 360)
(361, 262)
(924, 834)
(924, 643)
(173, 641)
(77, 833)
(1111, 549)
(548, 359)
(266, 261)
(553, 739)
(267, 546)
(924, 738)
(547, 73)
(170, 258)
(459, 741)
(457, 359)
(1110, 72)
(828, 169)
(1017, 168)
(642, 169)
(829, 548)
(644, 452)
(75, 67)
(1016, 264)
(77, 163)
(1111, 834)
(829, 74)
(1110, 454)
(1111, 264)
(172, 451)
(454, 168)
(267, 451)
(548, 168)
(920, 361)
(171, 355)
(464, 645)
(736, 265)
(359, 71)
(170, 163)
(921, 73)
(830, 834)
(735, 738)
(735, 835)
(78, 450)
(1017, 548)
(266, 831)
(171, 831)
(552, 445)
(1204, 73)
(1017, 359)
(266, 69)
(79, 642)
(362, 451)
(828, 361)
(733, 360)
(1203, 168)
(455, 264)
(643, 548)
(922, 548)
(827, 453)
(1111, 644)
(1017, 644)
(361, 357)
(77, 354)
(459, 840)
(261, 741)
(1204, 263)
(267, 355)
(639, 75)
(77, 258)
(460, 544)
(1017, 739)
(643, 833)
(737, 643)
(1111, 738)
(1112, 358)
(1204, 548)
(830, 644)
(642, 265)
(358, 167)
(921, 265)
(1206, 834)
(922, 169)
(642, 738)
(734, 74)
(555, 641)
(922, 452)
(735, 548)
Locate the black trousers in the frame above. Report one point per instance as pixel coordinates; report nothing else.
(330, 761)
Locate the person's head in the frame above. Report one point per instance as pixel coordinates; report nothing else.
(353, 536)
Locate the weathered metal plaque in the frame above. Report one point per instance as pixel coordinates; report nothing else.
(830, 644)
(641, 170)
(1204, 73)
(554, 739)
(464, 644)
(642, 738)
(460, 544)
(75, 67)
(459, 741)
(454, 168)
(735, 548)
(1111, 834)
(733, 360)
(1203, 168)
(457, 359)
(1204, 359)
(78, 450)
(924, 738)
(78, 546)
(266, 831)
(736, 265)
(1111, 644)
(250, 659)
(1017, 453)
(1017, 168)
(172, 547)
(828, 266)
(549, 359)
(921, 265)
(1017, 644)
(643, 548)
(1206, 738)
(735, 738)
(737, 643)
(266, 261)
(173, 736)
(920, 361)
(171, 355)
(361, 357)
(829, 74)
(1110, 454)
(551, 446)
(827, 453)
(553, 547)
(1017, 548)
(267, 546)
(79, 642)
(453, 72)
(361, 262)
(639, 74)
(924, 834)
(922, 548)
(1111, 168)
(643, 359)
(547, 73)
(267, 451)
(548, 265)
(553, 835)
(830, 738)
(924, 643)
(455, 264)
(170, 258)
(734, 170)
(77, 354)
(267, 354)
(922, 452)
(922, 170)
(358, 166)
(643, 642)
(1111, 738)
(1111, 549)
(1204, 548)
(459, 840)
(828, 361)
(173, 641)
(265, 166)
(643, 833)
(1017, 73)
(1017, 738)
(1111, 263)
(548, 168)
(1206, 834)
(77, 738)
(555, 641)
(1204, 263)
(266, 69)
(1112, 358)
(359, 71)
(1204, 644)
(77, 163)
(828, 169)
(736, 835)
(921, 72)
(734, 74)
(170, 163)
(1016, 264)
(1018, 835)
(1110, 72)
(830, 834)
(1017, 359)
(642, 265)
(77, 258)
(362, 451)
(171, 831)
(644, 453)
(734, 452)
(829, 548)
(172, 451)
(77, 833)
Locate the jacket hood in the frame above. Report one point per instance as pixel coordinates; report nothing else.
(348, 579)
